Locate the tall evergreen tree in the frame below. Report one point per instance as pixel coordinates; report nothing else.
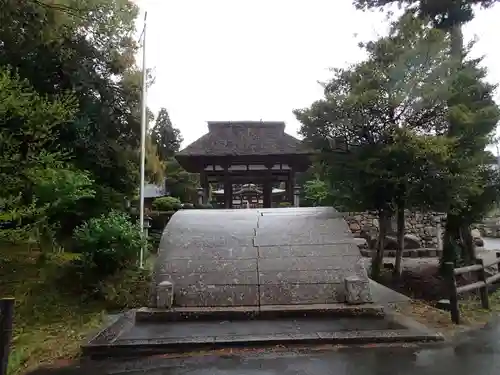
(166, 138)
(390, 111)
(450, 16)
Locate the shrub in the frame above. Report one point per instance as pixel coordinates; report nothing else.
(125, 289)
(167, 204)
(107, 244)
(285, 204)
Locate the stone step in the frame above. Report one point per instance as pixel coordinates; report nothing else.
(416, 253)
(147, 314)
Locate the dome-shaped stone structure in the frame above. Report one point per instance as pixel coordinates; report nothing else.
(257, 257)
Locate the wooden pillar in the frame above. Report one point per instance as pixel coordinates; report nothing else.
(228, 189)
(290, 186)
(206, 193)
(267, 192)
(205, 187)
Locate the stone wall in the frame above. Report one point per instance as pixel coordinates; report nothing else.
(489, 228)
(422, 227)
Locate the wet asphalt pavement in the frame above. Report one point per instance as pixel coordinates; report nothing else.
(474, 353)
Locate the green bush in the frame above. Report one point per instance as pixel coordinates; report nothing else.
(107, 244)
(167, 204)
(125, 289)
(285, 204)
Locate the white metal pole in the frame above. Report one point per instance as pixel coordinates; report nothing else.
(143, 139)
(498, 157)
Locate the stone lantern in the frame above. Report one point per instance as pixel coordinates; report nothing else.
(200, 195)
(147, 225)
(296, 196)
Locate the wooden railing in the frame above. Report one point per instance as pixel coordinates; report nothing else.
(482, 284)
(6, 318)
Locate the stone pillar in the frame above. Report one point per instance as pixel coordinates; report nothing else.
(165, 295)
(200, 195)
(296, 196)
(439, 235)
(357, 290)
(205, 188)
(267, 192)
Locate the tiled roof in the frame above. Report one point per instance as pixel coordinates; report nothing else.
(154, 191)
(244, 138)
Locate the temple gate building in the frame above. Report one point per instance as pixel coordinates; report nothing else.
(245, 153)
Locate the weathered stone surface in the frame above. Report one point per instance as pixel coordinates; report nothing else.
(218, 295)
(475, 233)
(412, 241)
(354, 227)
(334, 263)
(165, 296)
(423, 227)
(187, 266)
(201, 280)
(307, 277)
(357, 290)
(293, 294)
(337, 249)
(226, 252)
(301, 256)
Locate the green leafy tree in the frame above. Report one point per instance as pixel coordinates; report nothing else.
(450, 16)
(166, 138)
(379, 107)
(86, 47)
(317, 192)
(38, 183)
(179, 183)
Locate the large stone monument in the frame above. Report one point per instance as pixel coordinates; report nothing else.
(256, 257)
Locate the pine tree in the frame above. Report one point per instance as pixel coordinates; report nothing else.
(167, 138)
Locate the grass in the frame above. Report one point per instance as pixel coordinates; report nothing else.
(472, 315)
(50, 323)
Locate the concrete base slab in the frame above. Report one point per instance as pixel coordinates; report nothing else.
(147, 314)
(126, 337)
(385, 296)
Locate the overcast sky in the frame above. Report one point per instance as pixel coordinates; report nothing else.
(250, 60)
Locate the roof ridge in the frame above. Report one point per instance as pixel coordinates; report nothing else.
(215, 125)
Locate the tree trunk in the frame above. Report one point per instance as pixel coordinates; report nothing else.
(468, 248)
(451, 240)
(456, 43)
(452, 236)
(378, 257)
(401, 241)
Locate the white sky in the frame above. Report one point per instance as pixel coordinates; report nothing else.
(250, 60)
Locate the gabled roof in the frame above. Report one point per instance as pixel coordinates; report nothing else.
(244, 138)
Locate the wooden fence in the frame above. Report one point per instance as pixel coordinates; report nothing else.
(6, 318)
(482, 284)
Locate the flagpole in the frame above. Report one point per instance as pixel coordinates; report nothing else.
(143, 139)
